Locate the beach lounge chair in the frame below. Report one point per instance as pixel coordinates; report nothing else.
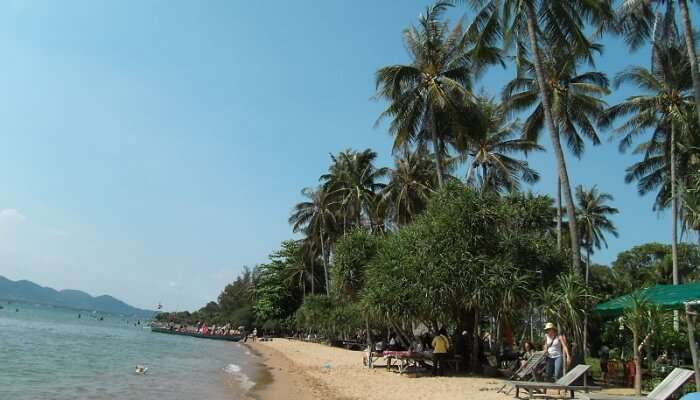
(566, 383)
(527, 371)
(677, 378)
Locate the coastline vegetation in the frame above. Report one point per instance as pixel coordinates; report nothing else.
(447, 236)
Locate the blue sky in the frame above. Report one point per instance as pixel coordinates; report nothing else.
(150, 149)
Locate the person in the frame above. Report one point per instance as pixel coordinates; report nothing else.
(255, 333)
(527, 351)
(440, 347)
(604, 354)
(557, 349)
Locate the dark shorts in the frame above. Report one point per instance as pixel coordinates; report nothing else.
(604, 366)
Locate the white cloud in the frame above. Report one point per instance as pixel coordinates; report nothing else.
(11, 216)
(172, 284)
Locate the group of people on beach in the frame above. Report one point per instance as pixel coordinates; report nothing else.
(202, 328)
(440, 347)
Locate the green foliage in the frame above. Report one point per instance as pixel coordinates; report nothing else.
(276, 292)
(650, 264)
(468, 250)
(351, 255)
(332, 318)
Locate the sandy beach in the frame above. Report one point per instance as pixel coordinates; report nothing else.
(303, 370)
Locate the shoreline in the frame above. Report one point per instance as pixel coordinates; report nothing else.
(282, 378)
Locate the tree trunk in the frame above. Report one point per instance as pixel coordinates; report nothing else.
(674, 209)
(637, 366)
(690, 47)
(325, 264)
(313, 291)
(437, 148)
(554, 134)
(585, 317)
(559, 216)
(690, 317)
(476, 339)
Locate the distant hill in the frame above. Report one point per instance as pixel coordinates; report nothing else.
(30, 292)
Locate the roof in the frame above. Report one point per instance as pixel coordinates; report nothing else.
(667, 296)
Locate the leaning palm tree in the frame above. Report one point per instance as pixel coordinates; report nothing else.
(577, 99)
(410, 185)
(639, 20)
(593, 213)
(526, 24)
(490, 145)
(425, 96)
(316, 217)
(664, 110)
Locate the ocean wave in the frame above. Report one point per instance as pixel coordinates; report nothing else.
(243, 379)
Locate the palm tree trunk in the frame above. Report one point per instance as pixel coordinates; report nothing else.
(325, 264)
(437, 148)
(585, 316)
(637, 365)
(690, 46)
(556, 143)
(674, 223)
(674, 209)
(559, 213)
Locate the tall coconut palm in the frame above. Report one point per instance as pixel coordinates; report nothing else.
(593, 219)
(663, 110)
(437, 82)
(410, 185)
(576, 97)
(353, 181)
(639, 20)
(526, 23)
(316, 217)
(490, 145)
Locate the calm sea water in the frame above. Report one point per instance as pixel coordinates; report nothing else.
(48, 353)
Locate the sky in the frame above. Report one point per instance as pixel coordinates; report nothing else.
(151, 149)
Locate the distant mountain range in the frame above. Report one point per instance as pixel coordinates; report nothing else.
(30, 292)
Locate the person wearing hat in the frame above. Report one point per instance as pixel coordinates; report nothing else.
(556, 348)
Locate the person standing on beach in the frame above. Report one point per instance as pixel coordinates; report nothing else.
(556, 348)
(440, 347)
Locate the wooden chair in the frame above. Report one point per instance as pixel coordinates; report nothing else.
(677, 378)
(527, 371)
(566, 383)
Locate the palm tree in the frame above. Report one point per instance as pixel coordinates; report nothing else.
(353, 183)
(425, 95)
(593, 220)
(410, 185)
(639, 20)
(316, 217)
(576, 98)
(664, 110)
(526, 23)
(490, 145)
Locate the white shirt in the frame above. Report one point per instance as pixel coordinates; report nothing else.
(554, 349)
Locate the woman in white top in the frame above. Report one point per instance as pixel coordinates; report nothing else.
(555, 347)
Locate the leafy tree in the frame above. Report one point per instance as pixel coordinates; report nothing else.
(353, 181)
(576, 98)
(663, 110)
(531, 26)
(276, 296)
(410, 185)
(353, 252)
(426, 97)
(638, 23)
(490, 145)
(593, 220)
(316, 217)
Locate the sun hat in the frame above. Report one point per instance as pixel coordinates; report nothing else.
(549, 326)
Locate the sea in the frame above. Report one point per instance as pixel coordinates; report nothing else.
(49, 353)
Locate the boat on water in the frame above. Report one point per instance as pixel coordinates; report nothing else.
(230, 338)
